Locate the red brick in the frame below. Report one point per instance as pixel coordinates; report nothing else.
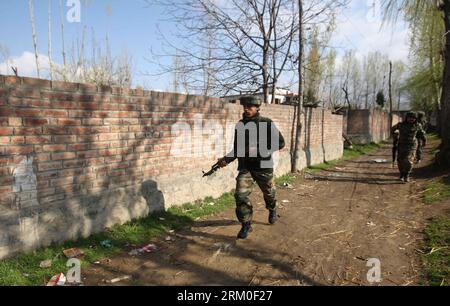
(37, 139)
(89, 106)
(87, 88)
(92, 121)
(12, 80)
(78, 147)
(63, 156)
(65, 104)
(56, 96)
(6, 131)
(87, 154)
(4, 140)
(55, 113)
(55, 148)
(15, 121)
(106, 137)
(27, 112)
(6, 112)
(28, 131)
(17, 140)
(36, 82)
(25, 93)
(35, 122)
(42, 157)
(3, 121)
(112, 121)
(29, 102)
(69, 122)
(96, 146)
(74, 164)
(109, 152)
(95, 161)
(59, 130)
(50, 166)
(113, 159)
(64, 86)
(65, 139)
(19, 149)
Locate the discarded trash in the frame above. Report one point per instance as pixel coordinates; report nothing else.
(287, 185)
(309, 175)
(335, 175)
(45, 264)
(222, 246)
(169, 238)
(339, 169)
(146, 249)
(211, 203)
(380, 161)
(97, 262)
(57, 280)
(73, 253)
(370, 223)
(106, 244)
(162, 219)
(286, 201)
(119, 279)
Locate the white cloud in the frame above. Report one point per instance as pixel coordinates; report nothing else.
(26, 65)
(360, 30)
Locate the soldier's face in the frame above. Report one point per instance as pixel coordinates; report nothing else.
(250, 111)
(411, 120)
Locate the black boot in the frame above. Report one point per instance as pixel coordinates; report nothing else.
(273, 216)
(246, 228)
(406, 178)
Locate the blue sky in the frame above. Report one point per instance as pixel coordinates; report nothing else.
(132, 25)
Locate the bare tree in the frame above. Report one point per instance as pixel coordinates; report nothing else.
(254, 41)
(50, 38)
(33, 28)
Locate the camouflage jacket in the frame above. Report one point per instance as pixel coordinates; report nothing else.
(256, 147)
(409, 134)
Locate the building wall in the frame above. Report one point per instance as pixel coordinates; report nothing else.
(366, 126)
(78, 158)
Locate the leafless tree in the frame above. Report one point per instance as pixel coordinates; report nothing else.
(33, 28)
(254, 41)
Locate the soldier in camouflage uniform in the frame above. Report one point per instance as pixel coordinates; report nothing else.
(423, 121)
(409, 132)
(254, 165)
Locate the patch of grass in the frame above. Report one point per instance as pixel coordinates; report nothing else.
(287, 178)
(355, 152)
(437, 191)
(25, 270)
(437, 257)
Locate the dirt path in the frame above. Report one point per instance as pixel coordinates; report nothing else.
(331, 224)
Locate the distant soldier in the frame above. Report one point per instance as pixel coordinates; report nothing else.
(423, 121)
(409, 132)
(395, 138)
(253, 134)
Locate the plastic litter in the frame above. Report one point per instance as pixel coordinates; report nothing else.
(57, 280)
(73, 253)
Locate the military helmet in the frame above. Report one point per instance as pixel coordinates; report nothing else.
(411, 115)
(250, 100)
(420, 115)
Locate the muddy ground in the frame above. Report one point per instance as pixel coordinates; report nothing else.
(331, 223)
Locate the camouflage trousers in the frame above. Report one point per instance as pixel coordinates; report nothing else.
(406, 157)
(244, 186)
(419, 152)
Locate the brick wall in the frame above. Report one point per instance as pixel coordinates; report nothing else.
(77, 158)
(366, 126)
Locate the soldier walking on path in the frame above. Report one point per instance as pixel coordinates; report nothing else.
(410, 132)
(423, 121)
(255, 139)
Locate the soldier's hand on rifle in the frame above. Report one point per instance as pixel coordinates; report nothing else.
(222, 162)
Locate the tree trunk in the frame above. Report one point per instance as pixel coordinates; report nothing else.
(390, 97)
(445, 99)
(298, 133)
